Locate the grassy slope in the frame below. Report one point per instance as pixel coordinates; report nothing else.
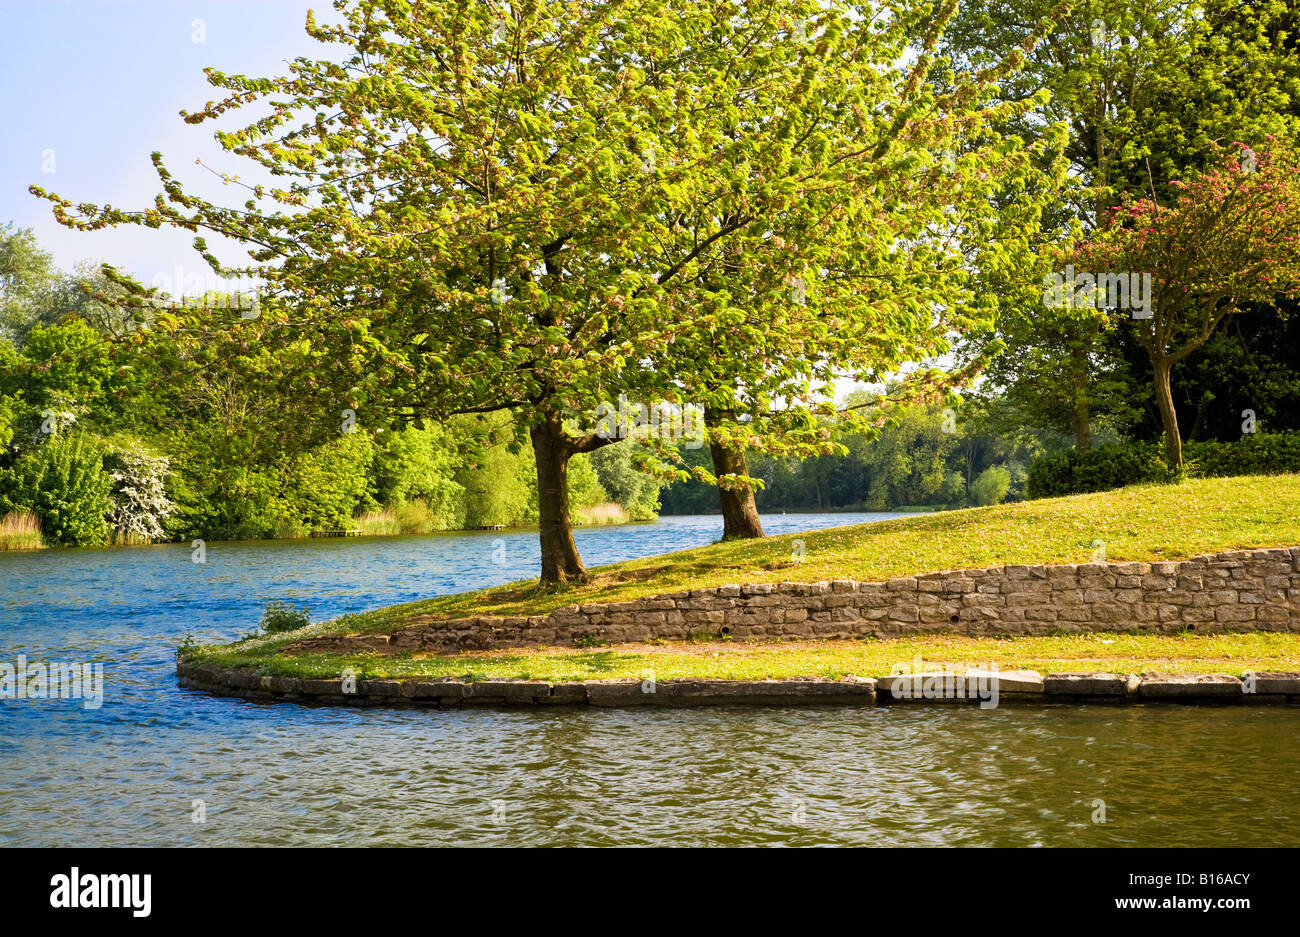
(1140, 523)
(1147, 522)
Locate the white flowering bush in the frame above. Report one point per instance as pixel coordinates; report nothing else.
(139, 493)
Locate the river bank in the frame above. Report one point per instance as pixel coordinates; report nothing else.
(1093, 668)
(1238, 605)
(22, 532)
(987, 689)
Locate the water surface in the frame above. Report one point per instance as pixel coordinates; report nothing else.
(130, 773)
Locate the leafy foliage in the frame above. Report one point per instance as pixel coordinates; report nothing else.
(1231, 238)
(280, 616)
(990, 486)
(1115, 466)
(537, 208)
(140, 505)
(64, 482)
(922, 456)
(618, 474)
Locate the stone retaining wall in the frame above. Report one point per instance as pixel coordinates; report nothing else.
(1022, 686)
(1246, 590)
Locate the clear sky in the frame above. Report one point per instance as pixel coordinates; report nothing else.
(90, 88)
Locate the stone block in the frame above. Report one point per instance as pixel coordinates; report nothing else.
(381, 688)
(1009, 682)
(510, 691)
(939, 687)
(723, 692)
(1269, 682)
(321, 687)
(1234, 613)
(242, 679)
(621, 693)
(1189, 686)
(449, 690)
(280, 684)
(1086, 684)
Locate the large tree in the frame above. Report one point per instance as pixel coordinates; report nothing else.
(871, 267)
(496, 206)
(28, 278)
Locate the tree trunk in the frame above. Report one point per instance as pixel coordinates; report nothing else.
(1168, 415)
(739, 513)
(552, 450)
(1082, 417)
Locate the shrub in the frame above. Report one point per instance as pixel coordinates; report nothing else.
(1073, 472)
(326, 486)
(64, 482)
(418, 466)
(991, 485)
(585, 490)
(497, 489)
(139, 495)
(283, 616)
(617, 472)
(1259, 454)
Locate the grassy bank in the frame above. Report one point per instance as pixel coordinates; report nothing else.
(1148, 522)
(1143, 523)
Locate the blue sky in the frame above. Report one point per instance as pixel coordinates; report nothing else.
(101, 85)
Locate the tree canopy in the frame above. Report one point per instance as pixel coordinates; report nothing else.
(523, 207)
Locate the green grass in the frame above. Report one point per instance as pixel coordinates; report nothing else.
(1113, 652)
(1150, 522)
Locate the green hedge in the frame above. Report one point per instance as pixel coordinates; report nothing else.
(63, 480)
(1072, 472)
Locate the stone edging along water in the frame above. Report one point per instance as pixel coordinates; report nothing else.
(1243, 590)
(985, 688)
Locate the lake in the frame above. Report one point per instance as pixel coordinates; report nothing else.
(134, 771)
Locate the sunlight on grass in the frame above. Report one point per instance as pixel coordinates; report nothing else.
(1152, 522)
(1147, 522)
(1109, 652)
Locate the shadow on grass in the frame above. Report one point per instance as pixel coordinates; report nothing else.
(605, 661)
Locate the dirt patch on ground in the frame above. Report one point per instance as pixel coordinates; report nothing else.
(727, 648)
(417, 620)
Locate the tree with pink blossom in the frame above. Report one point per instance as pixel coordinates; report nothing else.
(1230, 240)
